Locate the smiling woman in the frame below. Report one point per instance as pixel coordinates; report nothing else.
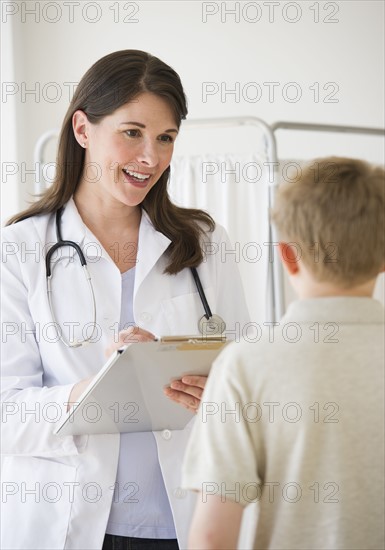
(110, 196)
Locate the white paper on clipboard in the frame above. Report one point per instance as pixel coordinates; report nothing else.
(127, 393)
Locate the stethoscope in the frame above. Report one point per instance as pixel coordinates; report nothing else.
(208, 324)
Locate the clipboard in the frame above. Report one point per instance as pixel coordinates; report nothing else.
(127, 393)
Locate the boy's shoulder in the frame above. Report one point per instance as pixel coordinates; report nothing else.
(311, 328)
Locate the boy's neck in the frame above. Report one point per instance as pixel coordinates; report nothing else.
(314, 289)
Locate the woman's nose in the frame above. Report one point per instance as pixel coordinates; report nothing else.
(148, 153)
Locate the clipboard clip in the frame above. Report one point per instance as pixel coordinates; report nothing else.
(199, 339)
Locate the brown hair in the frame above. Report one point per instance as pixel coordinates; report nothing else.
(110, 83)
(335, 214)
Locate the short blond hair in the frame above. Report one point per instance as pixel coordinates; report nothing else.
(334, 213)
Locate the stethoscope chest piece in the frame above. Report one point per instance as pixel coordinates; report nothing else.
(215, 325)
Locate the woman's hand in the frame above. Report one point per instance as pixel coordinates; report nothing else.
(129, 336)
(77, 390)
(187, 391)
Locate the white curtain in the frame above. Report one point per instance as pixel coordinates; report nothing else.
(234, 190)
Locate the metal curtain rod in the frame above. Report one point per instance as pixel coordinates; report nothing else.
(225, 122)
(327, 128)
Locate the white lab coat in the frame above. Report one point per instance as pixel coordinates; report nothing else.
(57, 491)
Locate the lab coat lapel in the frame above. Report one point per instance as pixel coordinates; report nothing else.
(151, 245)
(74, 229)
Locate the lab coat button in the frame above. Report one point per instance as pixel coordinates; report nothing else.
(179, 492)
(166, 434)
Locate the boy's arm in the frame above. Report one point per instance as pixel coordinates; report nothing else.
(216, 524)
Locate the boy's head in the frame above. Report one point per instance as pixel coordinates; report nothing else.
(333, 216)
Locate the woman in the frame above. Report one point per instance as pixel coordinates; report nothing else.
(110, 197)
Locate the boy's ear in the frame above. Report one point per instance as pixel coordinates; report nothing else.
(290, 256)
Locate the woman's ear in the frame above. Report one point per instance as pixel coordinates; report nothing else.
(80, 125)
(290, 256)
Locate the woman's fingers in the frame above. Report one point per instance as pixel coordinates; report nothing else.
(129, 336)
(186, 400)
(195, 380)
(195, 391)
(135, 334)
(187, 392)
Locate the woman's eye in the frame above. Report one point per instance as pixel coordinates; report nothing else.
(166, 138)
(132, 133)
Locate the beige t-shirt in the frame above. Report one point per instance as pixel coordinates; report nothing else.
(295, 423)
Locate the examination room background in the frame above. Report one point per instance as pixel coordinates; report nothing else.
(307, 61)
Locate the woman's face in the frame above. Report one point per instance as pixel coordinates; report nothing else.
(128, 151)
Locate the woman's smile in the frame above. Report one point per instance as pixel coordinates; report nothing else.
(137, 179)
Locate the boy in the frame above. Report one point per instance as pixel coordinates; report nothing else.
(295, 421)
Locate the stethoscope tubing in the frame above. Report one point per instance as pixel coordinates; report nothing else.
(201, 292)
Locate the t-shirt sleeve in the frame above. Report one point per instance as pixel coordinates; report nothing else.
(221, 455)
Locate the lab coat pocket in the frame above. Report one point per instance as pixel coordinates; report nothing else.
(37, 496)
(183, 312)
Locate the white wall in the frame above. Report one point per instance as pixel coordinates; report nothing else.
(205, 43)
(10, 188)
